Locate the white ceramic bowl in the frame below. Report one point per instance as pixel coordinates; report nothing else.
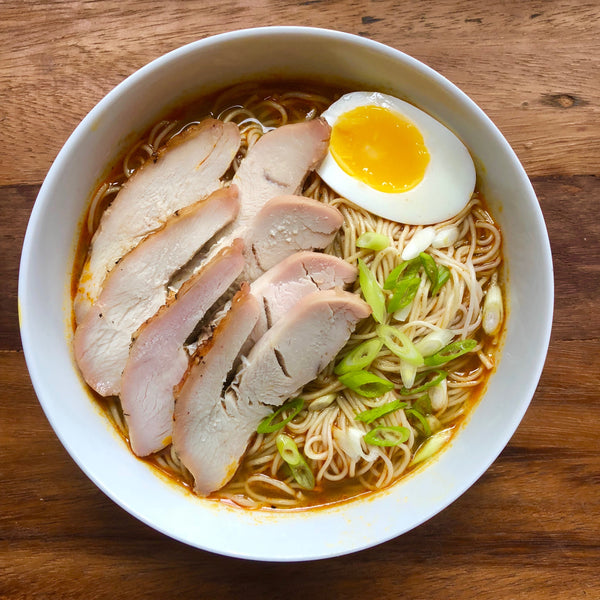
(48, 251)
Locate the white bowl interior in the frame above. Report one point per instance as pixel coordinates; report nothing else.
(44, 301)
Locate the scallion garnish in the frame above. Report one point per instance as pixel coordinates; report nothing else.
(493, 310)
(368, 416)
(438, 395)
(423, 405)
(366, 384)
(450, 352)
(387, 436)
(372, 292)
(410, 266)
(443, 274)
(291, 455)
(373, 241)
(431, 445)
(438, 376)
(360, 357)
(408, 373)
(430, 267)
(434, 341)
(404, 292)
(268, 426)
(400, 344)
(415, 413)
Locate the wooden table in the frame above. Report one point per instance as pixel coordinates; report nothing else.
(530, 527)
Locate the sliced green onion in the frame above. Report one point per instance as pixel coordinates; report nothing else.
(430, 267)
(493, 310)
(268, 426)
(442, 276)
(400, 344)
(349, 440)
(445, 237)
(434, 423)
(410, 266)
(366, 384)
(408, 373)
(321, 402)
(450, 352)
(360, 357)
(387, 436)
(291, 455)
(438, 376)
(404, 292)
(372, 291)
(368, 416)
(431, 445)
(419, 242)
(424, 423)
(423, 405)
(403, 313)
(373, 241)
(438, 395)
(434, 341)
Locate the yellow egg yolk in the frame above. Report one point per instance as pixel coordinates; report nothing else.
(380, 148)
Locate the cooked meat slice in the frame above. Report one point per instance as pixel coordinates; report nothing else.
(137, 287)
(157, 360)
(278, 164)
(211, 431)
(284, 225)
(186, 170)
(288, 282)
(300, 345)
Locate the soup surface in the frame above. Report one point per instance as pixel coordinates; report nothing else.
(353, 437)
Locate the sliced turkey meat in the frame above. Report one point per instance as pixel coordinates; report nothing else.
(157, 359)
(300, 345)
(278, 164)
(212, 428)
(187, 169)
(204, 418)
(294, 278)
(137, 287)
(284, 225)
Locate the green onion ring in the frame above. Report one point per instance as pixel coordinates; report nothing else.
(366, 384)
(373, 241)
(450, 352)
(399, 343)
(267, 425)
(439, 376)
(380, 436)
(372, 292)
(291, 455)
(360, 357)
(368, 416)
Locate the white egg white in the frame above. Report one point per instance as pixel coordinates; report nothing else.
(449, 178)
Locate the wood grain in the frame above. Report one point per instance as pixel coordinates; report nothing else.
(529, 528)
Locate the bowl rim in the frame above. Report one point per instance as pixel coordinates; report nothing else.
(28, 331)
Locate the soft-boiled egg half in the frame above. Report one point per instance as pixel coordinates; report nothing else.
(396, 161)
